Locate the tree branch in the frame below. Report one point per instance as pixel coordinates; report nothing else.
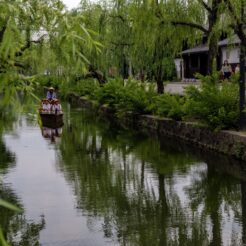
(28, 44)
(238, 25)
(232, 10)
(121, 44)
(205, 6)
(190, 24)
(119, 17)
(2, 31)
(18, 64)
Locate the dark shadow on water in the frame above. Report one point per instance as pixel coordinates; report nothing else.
(51, 134)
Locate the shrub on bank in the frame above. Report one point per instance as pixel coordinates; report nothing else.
(213, 103)
(167, 105)
(48, 80)
(83, 87)
(86, 87)
(125, 96)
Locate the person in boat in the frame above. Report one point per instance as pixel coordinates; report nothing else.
(45, 106)
(51, 95)
(56, 107)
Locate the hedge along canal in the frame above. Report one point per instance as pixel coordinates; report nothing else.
(231, 143)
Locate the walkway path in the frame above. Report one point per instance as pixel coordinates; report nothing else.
(179, 87)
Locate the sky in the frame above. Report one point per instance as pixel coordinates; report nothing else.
(71, 3)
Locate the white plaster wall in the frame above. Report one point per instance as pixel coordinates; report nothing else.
(177, 62)
(230, 54)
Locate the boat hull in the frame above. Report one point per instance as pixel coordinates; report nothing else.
(52, 120)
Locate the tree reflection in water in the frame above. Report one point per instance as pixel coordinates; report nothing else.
(16, 228)
(148, 192)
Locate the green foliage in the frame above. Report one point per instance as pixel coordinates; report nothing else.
(168, 105)
(9, 205)
(37, 37)
(3, 242)
(110, 93)
(83, 87)
(48, 80)
(129, 97)
(214, 104)
(135, 97)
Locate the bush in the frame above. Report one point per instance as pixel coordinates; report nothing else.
(129, 97)
(83, 87)
(87, 87)
(168, 105)
(135, 97)
(110, 93)
(48, 80)
(214, 104)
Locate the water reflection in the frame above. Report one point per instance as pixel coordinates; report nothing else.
(133, 189)
(150, 191)
(16, 228)
(51, 133)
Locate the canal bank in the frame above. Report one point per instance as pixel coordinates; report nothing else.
(231, 143)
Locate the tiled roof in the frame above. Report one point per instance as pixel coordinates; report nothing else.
(232, 40)
(204, 48)
(197, 49)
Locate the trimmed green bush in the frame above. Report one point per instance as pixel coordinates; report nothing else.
(129, 97)
(83, 87)
(168, 105)
(214, 104)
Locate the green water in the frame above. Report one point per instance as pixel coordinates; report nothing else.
(92, 183)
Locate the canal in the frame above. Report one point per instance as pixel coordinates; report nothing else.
(91, 183)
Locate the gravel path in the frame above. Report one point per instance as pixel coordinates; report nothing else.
(179, 87)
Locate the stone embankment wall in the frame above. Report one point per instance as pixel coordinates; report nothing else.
(231, 143)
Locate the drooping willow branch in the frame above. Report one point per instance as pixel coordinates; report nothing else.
(190, 24)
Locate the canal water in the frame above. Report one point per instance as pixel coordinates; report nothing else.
(90, 183)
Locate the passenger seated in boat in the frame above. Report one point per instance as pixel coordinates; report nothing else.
(51, 95)
(56, 107)
(45, 107)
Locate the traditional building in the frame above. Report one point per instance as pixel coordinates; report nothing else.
(195, 60)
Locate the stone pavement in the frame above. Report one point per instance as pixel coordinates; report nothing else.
(179, 87)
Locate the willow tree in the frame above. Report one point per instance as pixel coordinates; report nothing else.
(133, 37)
(96, 20)
(237, 20)
(36, 36)
(202, 16)
(154, 44)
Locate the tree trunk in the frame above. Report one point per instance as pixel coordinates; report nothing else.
(212, 53)
(213, 37)
(160, 86)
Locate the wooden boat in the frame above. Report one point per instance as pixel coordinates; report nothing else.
(52, 120)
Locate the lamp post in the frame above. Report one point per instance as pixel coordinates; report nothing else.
(242, 77)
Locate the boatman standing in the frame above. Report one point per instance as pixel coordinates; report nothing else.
(51, 94)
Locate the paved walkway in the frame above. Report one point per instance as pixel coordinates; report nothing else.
(179, 87)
